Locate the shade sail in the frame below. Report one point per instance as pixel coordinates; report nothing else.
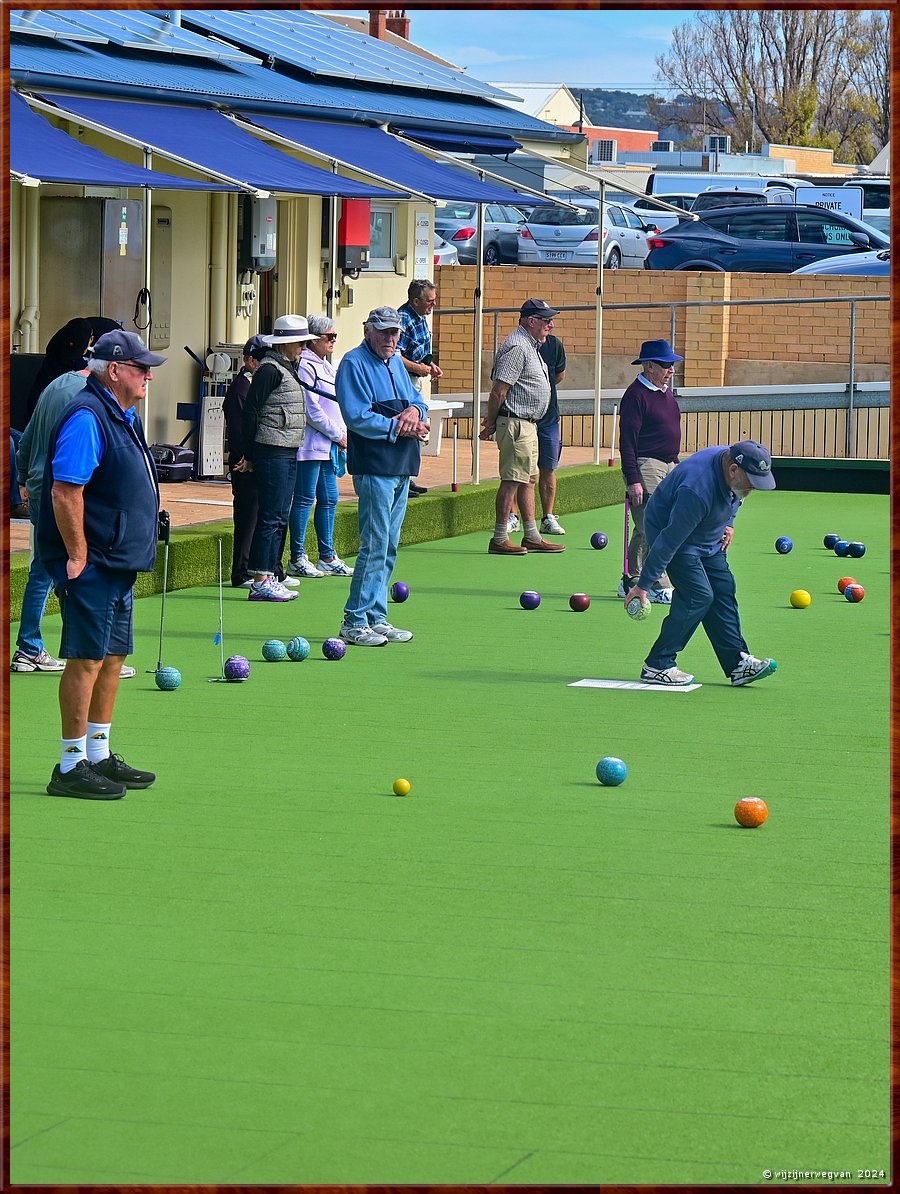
(460, 142)
(47, 154)
(210, 141)
(376, 151)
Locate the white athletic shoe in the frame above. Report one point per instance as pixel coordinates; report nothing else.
(362, 636)
(512, 523)
(126, 672)
(750, 668)
(334, 567)
(550, 525)
(42, 662)
(393, 634)
(301, 566)
(625, 587)
(668, 675)
(660, 596)
(290, 582)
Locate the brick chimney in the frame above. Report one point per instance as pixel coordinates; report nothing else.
(377, 23)
(398, 22)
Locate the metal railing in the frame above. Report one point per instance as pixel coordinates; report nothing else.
(847, 398)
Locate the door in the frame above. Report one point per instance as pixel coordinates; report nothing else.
(760, 241)
(638, 244)
(821, 235)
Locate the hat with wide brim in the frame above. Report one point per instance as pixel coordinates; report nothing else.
(289, 329)
(657, 350)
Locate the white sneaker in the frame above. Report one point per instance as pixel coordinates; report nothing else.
(270, 590)
(668, 675)
(301, 566)
(625, 587)
(660, 596)
(362, 636)
(42, 662)
(334, 567)
(750, 668)
(290, 582)
(393, 634)
(550, 525)
(512, 524)
(127, 671)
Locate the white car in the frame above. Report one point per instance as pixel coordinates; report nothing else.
(561, 236)
(444, 254)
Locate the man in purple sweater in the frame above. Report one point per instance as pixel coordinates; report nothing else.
(649, 443)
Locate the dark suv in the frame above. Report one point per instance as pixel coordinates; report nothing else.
(774, 239)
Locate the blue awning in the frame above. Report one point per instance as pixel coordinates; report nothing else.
(379, 153)
(210, 141)
(47, 154)
(459, 142)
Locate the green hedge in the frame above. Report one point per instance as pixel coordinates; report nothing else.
(439, 514)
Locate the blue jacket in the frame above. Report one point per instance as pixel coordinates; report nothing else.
(687, 513)
(370, 392)
(121, 499)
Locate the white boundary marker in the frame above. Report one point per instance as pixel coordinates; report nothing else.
(634, 685)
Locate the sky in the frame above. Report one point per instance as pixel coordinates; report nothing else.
(614, 49)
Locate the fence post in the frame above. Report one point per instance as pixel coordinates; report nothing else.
(851, 412)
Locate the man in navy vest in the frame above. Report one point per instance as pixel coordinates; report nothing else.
(98, 530)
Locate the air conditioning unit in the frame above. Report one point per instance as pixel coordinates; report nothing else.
(717, 144)
(662, 146)
(605, 151)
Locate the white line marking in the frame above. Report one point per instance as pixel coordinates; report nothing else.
(634, 685)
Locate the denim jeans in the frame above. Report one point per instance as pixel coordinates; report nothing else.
(316, 482)
(704, 595)
(275, 470)
(34, 601)
(382, 505)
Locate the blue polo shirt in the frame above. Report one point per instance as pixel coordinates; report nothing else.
(80, 447)
(687, 513)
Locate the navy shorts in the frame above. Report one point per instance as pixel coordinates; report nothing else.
(96, 611)
(549, 445)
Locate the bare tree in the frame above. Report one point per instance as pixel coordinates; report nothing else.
(789, 76)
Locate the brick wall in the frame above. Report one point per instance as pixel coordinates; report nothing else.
(722, 346)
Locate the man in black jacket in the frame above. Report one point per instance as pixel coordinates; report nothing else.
(97, 531)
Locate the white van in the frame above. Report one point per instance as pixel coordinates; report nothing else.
(693, 184)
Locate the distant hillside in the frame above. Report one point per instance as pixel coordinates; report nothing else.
(626, 110)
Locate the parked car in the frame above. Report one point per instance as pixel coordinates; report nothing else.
(872, 265)
(649, 210)
(775, 238)
(561, 236)
(444, 254)
(707, 200)
(457, 223)
(878, 219)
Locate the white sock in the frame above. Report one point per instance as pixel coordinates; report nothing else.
(97, 741)
(500, 534)
(531, 530)
(73, 751)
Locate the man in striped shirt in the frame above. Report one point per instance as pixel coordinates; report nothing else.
(519, 397)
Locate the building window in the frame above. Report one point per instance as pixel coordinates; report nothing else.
(384, 237)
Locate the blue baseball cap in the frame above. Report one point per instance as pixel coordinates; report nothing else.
(756, 461)
(124, 347)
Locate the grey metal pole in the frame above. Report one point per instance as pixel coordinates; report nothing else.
(848, 449)
(598, 349)
(672, 332)
(476, 347)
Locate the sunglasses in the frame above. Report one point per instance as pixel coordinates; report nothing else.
(330, 336)
(145, 369)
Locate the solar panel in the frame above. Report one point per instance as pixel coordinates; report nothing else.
(49, 24)
(132, 29)
(322, 48)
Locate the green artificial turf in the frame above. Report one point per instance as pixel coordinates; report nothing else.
(268, 969)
